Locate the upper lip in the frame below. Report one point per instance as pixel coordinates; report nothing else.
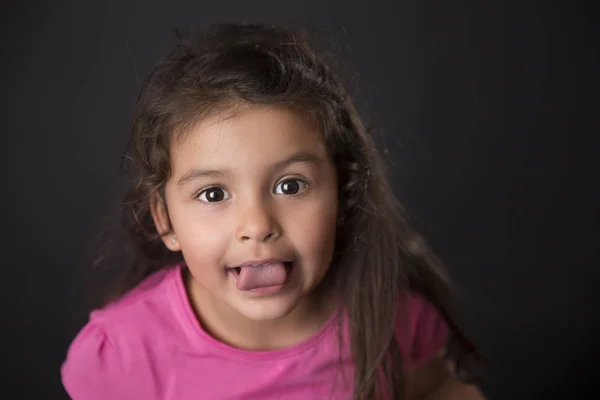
(250, 263)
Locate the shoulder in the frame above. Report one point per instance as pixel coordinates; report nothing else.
(422, 333)
(420, 329)
(111, 351)
(93, 368)
(148, 306)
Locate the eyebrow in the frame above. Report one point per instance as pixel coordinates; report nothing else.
(301, 157)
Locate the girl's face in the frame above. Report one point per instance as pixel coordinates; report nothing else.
(258, 189)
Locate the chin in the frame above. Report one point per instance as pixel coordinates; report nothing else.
(266, 308)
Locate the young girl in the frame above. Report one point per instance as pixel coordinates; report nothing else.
(273, 259)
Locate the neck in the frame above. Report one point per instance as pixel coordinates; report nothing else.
(230, 327)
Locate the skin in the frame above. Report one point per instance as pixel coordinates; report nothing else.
(252, 156)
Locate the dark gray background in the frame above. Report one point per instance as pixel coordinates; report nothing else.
(488, 112)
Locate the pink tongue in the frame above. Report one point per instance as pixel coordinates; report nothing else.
(261, 276)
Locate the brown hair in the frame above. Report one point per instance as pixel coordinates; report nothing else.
(382, 257)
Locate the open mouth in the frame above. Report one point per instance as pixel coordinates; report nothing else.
(272, 274)
(287, 265)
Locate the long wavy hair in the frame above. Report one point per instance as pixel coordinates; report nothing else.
(377, 255)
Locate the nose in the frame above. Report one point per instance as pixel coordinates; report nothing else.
(257, 223)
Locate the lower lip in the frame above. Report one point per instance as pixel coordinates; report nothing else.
(265, 290)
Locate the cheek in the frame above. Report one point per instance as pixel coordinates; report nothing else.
(203, 236)
(314, 231)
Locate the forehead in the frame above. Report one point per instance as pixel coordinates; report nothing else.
(250, 135)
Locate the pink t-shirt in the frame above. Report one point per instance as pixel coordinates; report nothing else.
(150, 346)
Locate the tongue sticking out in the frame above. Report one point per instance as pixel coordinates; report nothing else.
(266, 275)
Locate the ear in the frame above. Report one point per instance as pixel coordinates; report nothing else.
(162, 222)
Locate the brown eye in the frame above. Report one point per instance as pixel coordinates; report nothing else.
(213, 195)
(290, 186)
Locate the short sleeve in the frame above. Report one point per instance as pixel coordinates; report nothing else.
(420, 330)
(92, 369)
